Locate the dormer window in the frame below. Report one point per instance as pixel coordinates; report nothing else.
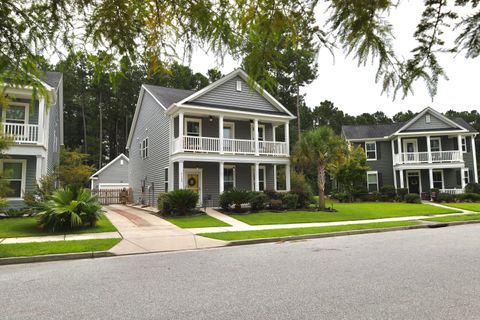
(427, 118)
(239, 85)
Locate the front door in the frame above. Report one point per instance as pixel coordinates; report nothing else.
(414, 183)
(193, 181)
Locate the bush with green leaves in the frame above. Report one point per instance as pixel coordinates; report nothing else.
(68, 209)
(290, 200)
(162, 204)
(412, 198)
(468, 197)
(388, 193)
(257, 200)
(180, 202)
(402, 192)
(272, 194)
(341, 197)
(234, 197)
(276, 204)
(445, 197)
(472, 187)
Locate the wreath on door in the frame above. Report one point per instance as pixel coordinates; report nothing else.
(192, 182)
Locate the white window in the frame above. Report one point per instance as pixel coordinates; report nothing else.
(438, 179)
(144, 148)
(239, 85)
(466, 175)
(229, 181)
(427, 118)
(165, 179)
(371, 150)
(435, 145)
(372, 181)
(464, 144)
(193, 127)
(14, 173)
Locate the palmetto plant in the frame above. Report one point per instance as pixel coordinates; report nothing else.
(70, 208)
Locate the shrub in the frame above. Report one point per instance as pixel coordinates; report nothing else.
(257, 201)
(388, 193)
(304, 198)
(17, 213)
(469, 197)
(412, 198)
(290, 200)
(234, 197)
(162, 203)
(341, 196)
(272, 194)
(276, 204)
(180, 202)
(402, 192)
(70, 208)
(301, 187)
(445, 197)
(225, 201)
(472, 188)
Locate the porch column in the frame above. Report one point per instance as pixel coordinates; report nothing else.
(41, 121)
(275, 177)
(287, 176)
(287, 137)
(221, 176)
(38, 169)
(430, 177)
(180, 175)
(180, 131)
(399, 145)
(171, 174)
(462, 177)
(255, 134)
(395, 178)
(429, 150)
(402, 182)
(220, 134)
(274, 133)
(257, 176)
(171, 131)
(394, 162)
(474, 153)
(459, 139)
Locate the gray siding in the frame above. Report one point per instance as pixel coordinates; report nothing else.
(435, 124)
(152, 123)
(53, 117)
(115, 173)
(227, 95)
(383, 164)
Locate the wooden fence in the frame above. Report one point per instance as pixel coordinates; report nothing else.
(113, 195)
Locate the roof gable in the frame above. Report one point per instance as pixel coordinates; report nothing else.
(105, 167)
(429, 120)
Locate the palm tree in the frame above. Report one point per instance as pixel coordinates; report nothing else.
(320, 147)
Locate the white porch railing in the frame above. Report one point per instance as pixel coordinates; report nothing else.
(24, 133)
(452, 191)
(427, 157)
(230, 146)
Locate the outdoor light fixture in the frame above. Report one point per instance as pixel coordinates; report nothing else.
(210, 118)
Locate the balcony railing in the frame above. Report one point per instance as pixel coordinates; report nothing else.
(21, 133)
(230, 146)
(427, 157)
(452, 191)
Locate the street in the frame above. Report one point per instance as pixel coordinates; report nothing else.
(418, 274)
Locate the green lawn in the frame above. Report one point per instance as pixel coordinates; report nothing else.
(471, 206)
(28, 227)
(346, 212)
(258, 234)
(202, 221)
(453, 218)
(52, 247)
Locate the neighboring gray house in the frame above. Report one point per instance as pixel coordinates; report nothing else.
(429, 151)
(37, 131)
(221, 137)
(113, 175)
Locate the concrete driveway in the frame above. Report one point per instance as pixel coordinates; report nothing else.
(143, 232)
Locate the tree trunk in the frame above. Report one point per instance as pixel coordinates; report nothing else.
(321, 185)
(85, 150)
(100, 136)
(299, 123)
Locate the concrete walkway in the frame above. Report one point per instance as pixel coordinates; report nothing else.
(227, 219)
(143, 232)
(447, 207)
(83, 236)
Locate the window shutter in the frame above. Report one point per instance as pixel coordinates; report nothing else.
(380, 180)
(459, 178)
(379, 150)
(469, 144)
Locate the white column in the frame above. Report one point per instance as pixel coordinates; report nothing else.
(394, 162)
(399, 145)
(474, 154)
(287, 137)
(429, 150)
(220, 134)
(287, 176)
(274, 133)
(180, 175)
(38, 169)
(221, 176)
(395, 179)
(430, 177)
(402, 182)
(180, 130)
(275, 177)
(41, 121)
(171, 175)
(255, 135)
(171, 126)
(462, 177)
(257, 177)
(459, 139)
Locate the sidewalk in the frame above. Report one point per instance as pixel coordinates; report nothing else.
(83, 236)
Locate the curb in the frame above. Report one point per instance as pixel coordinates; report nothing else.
(56, 257)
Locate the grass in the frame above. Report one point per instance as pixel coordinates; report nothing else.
(471, 206)
(28, 227)
(201, 221)
(53, 247)
(454, 218)
(346, 212)
(258, 234)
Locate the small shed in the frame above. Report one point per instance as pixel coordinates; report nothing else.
(114, 175)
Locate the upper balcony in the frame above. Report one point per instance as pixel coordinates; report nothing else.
(21, 133)
(427, 157)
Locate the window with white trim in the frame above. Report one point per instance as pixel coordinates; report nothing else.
(372, 181)
(13, 172)
(193, 127)
(437, 179)
(239, 85)
(371, 150)
(466, 174)
(165, 179)
(464, 144)
(435, 145)
(229, 181)
(144, 148)
(427, 118)
(16, 112)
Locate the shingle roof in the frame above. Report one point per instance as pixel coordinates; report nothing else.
(168, 96)
(52, 78)
(383, 130)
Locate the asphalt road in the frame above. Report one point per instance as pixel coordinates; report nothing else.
(418, 274)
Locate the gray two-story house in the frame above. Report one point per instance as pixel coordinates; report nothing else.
(36, 128)
(430, 151)
(230, 134)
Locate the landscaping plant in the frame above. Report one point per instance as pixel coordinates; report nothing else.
(290, 200)
(257, 200)
(412, 198)
(180, 202)
(69, 208)
(472, 187)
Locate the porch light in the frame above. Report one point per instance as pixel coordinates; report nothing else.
(210, 118)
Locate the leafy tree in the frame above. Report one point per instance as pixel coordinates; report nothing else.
(72, 171)
(320, 148)
(326, 114)
(404, 116)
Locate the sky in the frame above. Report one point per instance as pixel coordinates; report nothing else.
(352, 88)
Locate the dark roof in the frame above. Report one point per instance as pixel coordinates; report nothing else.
(382, 130)
(52, 78)
(168, 96)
